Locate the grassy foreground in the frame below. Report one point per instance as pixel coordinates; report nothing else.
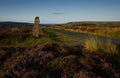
(23, 37)
(55, 55)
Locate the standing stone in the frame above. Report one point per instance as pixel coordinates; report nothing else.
(36, 27)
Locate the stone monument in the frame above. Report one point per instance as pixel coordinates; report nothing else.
(36, 27)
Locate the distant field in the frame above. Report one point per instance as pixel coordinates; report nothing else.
(93, 23)
(108, 31)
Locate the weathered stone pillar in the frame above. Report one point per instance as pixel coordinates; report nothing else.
(36, 27)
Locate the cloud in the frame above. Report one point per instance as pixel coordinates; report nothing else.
(58, 13)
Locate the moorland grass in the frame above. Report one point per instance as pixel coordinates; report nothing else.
(46, 35)
(96, 45)
(53, 60)
(25, 39)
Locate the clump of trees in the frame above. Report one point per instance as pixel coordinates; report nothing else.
(36, 27)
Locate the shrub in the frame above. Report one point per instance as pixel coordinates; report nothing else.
(95, 45)
(91, 44)
(110, 48)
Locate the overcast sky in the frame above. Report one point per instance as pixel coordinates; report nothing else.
(59, 11)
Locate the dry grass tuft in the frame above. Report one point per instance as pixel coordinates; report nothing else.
(110, 48)
(96, 45)
(92, 44)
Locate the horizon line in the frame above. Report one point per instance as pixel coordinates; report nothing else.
(56, 23)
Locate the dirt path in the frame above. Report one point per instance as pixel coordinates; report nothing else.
(83, 36)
